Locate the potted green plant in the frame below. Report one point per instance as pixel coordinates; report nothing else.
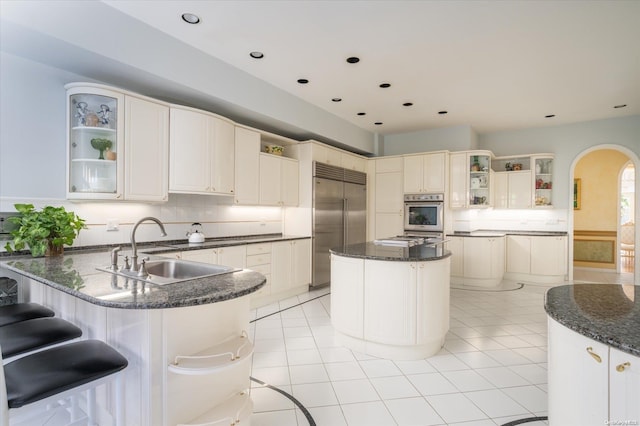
(45, 232)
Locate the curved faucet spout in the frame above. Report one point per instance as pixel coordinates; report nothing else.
(134, 248)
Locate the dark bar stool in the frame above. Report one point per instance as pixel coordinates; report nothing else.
(26, 336)
(10, 314)
(37, 380)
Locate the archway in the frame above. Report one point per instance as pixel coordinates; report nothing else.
(589, 153)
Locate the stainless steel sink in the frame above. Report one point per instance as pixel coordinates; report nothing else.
(169, 271)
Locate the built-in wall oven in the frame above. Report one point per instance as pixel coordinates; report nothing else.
(424, 215)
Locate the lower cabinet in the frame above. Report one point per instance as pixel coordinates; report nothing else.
(536, 258)
(180, 370)
(477, 261)
(590, 383)
(289, 270)
(229, 256)
(396, 310)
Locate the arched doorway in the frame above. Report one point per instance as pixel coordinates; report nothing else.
(594, 225)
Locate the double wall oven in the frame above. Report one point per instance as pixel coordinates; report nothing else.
(424, 215)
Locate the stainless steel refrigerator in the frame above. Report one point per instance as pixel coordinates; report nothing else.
(339, 214)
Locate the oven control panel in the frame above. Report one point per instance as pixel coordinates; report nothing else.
(423, 197)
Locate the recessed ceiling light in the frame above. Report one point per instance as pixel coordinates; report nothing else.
(620, 106)
(353, 60)
(256, 55)
(190, 18)
(378, 123)
(303, 81)
(385, 85)
(549, 116)
(336, 99)
(362, 113)
(443, 112)
(407, 104)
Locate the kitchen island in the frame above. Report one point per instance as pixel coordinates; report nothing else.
(391, 302)
(594, 354)
(160, 329)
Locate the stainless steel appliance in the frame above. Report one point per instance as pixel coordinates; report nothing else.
(424, 214)
(339, 214)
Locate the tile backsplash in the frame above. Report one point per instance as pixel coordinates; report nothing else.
(510, 219)
(218, 215)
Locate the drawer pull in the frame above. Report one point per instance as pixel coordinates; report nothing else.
(593, 354)
(621, 367)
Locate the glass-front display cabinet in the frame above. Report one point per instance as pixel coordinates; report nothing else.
(95, 136)
(479, 179)
(543, 180)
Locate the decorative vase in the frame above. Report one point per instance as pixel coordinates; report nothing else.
(53, 250)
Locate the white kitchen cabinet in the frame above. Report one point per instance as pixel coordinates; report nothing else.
(456, 246)
(353, 162)
(347, 301)
(278, 181)
(512, 190)
(518, 254)
(201, 153)
(259, 260)
(325, 154)
(229, 256)
(389, 198)
(549, 255)
(390, 284)
(394, 310)
(458, 180)
(290, 182)
(483, 261)
(589, 382)
(146, 150)
(93, 173)
(247, 166)
(135, 130)
(424, 173)
(235, 256)
(479, 177)
(536, 258)
(624, 385)
(543, 179)
(290, 265)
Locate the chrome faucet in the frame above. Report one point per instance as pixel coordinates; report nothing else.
(134, 255)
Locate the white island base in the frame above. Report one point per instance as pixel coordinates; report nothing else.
(390, 309)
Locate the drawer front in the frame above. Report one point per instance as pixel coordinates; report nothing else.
(258, 259)
(263, 269)
(258, 248)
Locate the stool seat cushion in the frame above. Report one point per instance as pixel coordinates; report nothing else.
(46, 373)
(33, 334)
(10, 314)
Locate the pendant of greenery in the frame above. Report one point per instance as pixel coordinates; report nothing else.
(42, 231)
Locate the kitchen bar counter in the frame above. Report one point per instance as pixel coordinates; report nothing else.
(391, 302)
(371, 251)
(607, 313)
(75, 273)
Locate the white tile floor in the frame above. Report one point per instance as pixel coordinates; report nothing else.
(492, 368)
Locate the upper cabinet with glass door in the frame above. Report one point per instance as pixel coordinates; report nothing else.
(95, 135)
(543, 179)
(479, 179)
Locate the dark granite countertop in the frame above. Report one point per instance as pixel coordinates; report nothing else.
(502, 233)
(369, 250)
(75, 273)
(607, 313)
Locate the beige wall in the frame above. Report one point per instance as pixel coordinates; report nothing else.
(599, 171)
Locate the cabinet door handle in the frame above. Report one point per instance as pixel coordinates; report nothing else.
(621, 367)
(593, 354)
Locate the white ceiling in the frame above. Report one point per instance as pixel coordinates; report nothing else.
(493, 65)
